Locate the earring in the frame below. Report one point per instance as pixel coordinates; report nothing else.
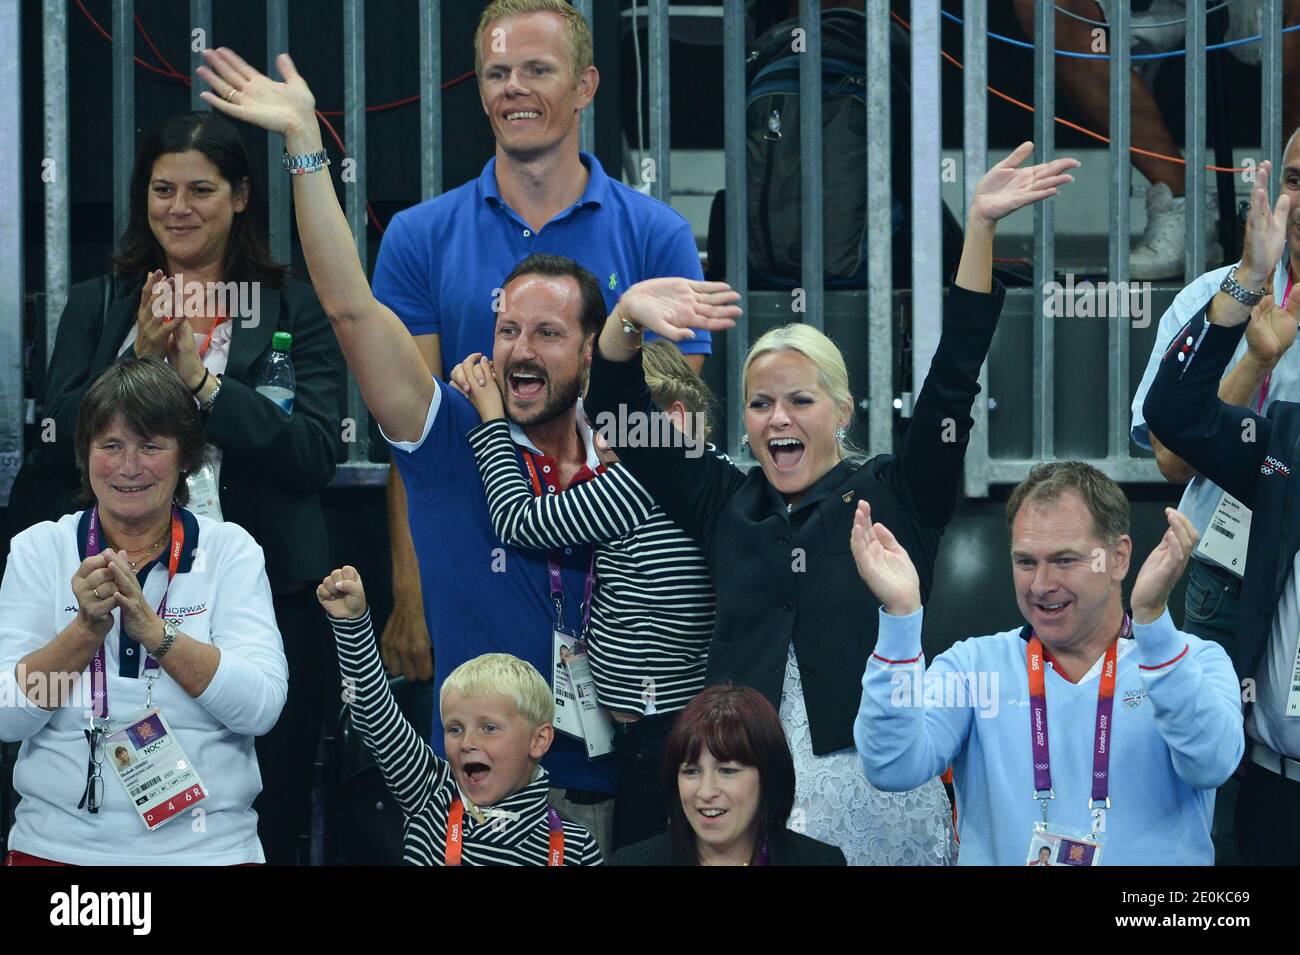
(840, 435)
(744, 438)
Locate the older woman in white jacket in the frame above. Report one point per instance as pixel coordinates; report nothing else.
(139, 654)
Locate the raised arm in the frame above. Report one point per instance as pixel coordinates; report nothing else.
(410, 769)
(928, 468)
(691, 483)
(385, 361)
(1226, 443)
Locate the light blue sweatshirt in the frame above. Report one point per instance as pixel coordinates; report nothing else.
(1176, 736)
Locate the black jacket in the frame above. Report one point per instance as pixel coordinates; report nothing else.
(272, 466)
(785, 577)
(788, 848)
(1252, 457)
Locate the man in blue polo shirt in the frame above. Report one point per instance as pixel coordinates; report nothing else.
(442, 263)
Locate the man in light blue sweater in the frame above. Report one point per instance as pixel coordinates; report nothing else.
(1145, 721)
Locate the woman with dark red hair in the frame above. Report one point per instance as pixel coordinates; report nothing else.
(729, 764)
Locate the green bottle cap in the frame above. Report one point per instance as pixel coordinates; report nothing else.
(281, 341)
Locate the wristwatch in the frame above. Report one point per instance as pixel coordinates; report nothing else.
(305, 162)
(171, 627)
(1245, 296)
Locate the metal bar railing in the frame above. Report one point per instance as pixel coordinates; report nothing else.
(1042, 395)
(975, 142)
(811, 214)
(587, 124)
(201, 29)
(1121, 175)
(927, 204)
(1270, 117)
(123, 111)
(11, 245)
(734, 139)
(1194, 119)
(280, 223)
(660, 112)
(880, 228)
(354, 183)
(430, 98)
(54, 65)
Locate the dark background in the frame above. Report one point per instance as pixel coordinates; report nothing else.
(973, 592)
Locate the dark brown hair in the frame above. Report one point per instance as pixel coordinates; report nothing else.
(154, 402)
(1102, 496)
(248, 256)
(737, 724)
(591, 314)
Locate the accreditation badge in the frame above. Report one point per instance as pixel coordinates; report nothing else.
(147, 757)
(205, 496)
(567, 719)
(1053, 845)
(597, 725)
(1227, 535)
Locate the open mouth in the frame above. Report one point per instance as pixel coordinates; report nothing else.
(131, 488)
(786, 453)
(475, 773)
(712, 815)
(515, 116)
(526, 385)
(1051, 610)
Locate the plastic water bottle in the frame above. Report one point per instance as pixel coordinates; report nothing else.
(277, 380)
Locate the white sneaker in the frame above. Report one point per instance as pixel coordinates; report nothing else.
(1159, 253)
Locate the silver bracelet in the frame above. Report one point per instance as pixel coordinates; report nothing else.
(305, 163)
(205, 406)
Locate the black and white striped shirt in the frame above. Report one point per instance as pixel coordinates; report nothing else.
(516, 830)
(652, 615)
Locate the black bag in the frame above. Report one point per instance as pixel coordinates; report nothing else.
(773, 161)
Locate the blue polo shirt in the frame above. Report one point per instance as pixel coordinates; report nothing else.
(481, 596)
(441, 260)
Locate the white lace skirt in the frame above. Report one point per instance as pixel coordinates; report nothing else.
(834, 803)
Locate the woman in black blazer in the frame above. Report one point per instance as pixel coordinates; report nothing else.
(793, 620)
(195, 219)
(730, 779)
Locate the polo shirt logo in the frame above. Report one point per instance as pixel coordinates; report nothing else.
(613, 281)
(1133, 698)
(1272, 464)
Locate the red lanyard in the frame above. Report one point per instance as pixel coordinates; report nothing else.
(553, 566)
(1263, 388)
(207, 342)
(1101, 737)
(99, 665)
(456, 835)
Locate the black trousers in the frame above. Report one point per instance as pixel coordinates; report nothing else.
(286, 756)
(1268, 818)
(640, 806)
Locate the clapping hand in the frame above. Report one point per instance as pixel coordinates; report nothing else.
(1163, 568)
(1008, 186)
(1265, 232)
(672, 307)
(342, 594)
(1272, 328)
(475, 378)
(95, 612)
(884, 566)
(138, 618)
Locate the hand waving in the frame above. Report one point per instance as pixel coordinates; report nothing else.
(244, 93)
(1163, 567)
(883, 565)
(672, 307)
(1008, 187)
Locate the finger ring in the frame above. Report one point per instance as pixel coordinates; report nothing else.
(232, 92)
(96, 593)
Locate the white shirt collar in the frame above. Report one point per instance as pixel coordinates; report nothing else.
(584, 429)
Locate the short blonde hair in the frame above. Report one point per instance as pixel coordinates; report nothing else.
(832, 374)
(494, 674)
(581, 53)
(671, 379)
